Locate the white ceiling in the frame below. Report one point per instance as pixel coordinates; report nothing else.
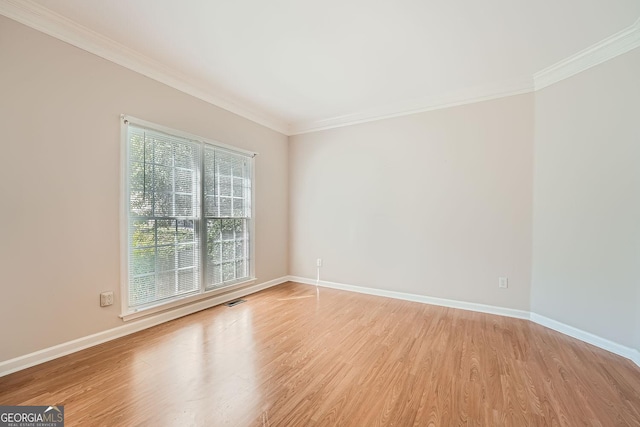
(304, 64)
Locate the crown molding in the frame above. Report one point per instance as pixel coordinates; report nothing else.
(609, 48)
(615, 45)
(44, 20)
(462, 97)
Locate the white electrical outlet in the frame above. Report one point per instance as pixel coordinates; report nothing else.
(319, 262)
(503, 282)
(106, 298)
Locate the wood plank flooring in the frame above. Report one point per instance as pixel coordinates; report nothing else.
(296, 356)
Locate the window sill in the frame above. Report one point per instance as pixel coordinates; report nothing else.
(146, 311)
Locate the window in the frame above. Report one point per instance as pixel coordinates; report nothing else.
(188, 216)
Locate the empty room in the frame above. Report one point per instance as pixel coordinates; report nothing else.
(337, 213)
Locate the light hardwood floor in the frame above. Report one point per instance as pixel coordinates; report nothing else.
(295, 356)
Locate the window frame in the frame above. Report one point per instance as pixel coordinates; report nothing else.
(203, 292)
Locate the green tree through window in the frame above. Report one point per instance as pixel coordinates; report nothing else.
(178, 191)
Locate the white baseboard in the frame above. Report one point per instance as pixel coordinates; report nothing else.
(619, 349)
(44, 355)
(605, 344)
(463, 305)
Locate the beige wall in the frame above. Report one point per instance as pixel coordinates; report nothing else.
(436, 203)
(586, 264)
(59, 180)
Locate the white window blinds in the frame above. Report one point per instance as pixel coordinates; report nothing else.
(178, 245)
(227, 212)
(163, 217)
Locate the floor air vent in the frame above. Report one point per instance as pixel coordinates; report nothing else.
(234, 302)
